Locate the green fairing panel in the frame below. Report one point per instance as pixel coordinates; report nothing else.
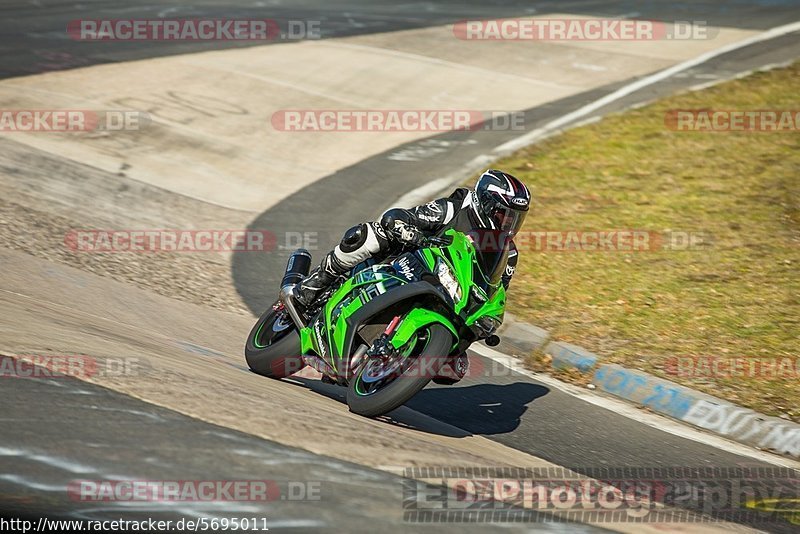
(495, 307)
(417, 319)
(461, 256)
(349, 298)
(307, 341)
(378, 279)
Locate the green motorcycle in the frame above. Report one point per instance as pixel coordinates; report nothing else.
(389, 328)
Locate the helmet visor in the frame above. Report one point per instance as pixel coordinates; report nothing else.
(507, 220)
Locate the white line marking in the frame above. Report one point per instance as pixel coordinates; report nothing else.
(588, 66)
(530, 137)
(59, 463)
(478, 71)
(630, 411)
(424, 193)
(164, 12)
(743, 74)
(32, 484)
(149, 332)
(356, 103)
(52, 461)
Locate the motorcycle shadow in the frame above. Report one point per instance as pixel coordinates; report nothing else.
(483, 409)
(453, 411)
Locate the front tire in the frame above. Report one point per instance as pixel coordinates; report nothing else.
(273, 346)
(402, 388)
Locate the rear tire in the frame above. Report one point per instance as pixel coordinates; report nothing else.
(272, 348)
(411, 382)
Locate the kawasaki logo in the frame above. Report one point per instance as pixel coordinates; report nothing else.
(404, 268)
(320, 340)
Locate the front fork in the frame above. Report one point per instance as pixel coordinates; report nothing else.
(399, 332)
(381, 348)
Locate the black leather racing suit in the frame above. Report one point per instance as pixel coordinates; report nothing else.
(397, 228)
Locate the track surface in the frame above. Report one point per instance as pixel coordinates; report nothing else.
(514, 410)
(529, 418)
(61, 421)
(33, 37)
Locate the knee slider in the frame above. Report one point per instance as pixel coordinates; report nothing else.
(354, 238)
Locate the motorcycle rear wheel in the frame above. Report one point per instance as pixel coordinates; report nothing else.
(273, 346)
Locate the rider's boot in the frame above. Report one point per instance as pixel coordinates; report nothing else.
(320, 279)
(453, 370)
(359, 243)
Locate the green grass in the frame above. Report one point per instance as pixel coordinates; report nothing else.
(738, 297)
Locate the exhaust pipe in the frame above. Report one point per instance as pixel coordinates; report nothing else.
(297, 268)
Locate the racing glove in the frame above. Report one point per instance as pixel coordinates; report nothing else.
(403, 232)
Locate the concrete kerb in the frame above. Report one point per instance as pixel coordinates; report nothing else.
(699, 409)
(659, 395)
(520, 339)
(567, 355)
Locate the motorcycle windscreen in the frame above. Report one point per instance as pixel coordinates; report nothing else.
(491, 251)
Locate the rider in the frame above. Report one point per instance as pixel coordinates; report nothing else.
(498, 203)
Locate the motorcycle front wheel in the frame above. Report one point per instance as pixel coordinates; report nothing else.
(379, 386)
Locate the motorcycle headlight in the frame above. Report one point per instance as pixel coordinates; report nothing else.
(448, 280)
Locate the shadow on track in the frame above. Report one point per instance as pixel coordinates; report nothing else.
(481, 408)
(453, 411)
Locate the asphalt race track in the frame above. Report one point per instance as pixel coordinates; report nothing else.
(155, 443)
(197, 412)
(532, 415)
(33, 40)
